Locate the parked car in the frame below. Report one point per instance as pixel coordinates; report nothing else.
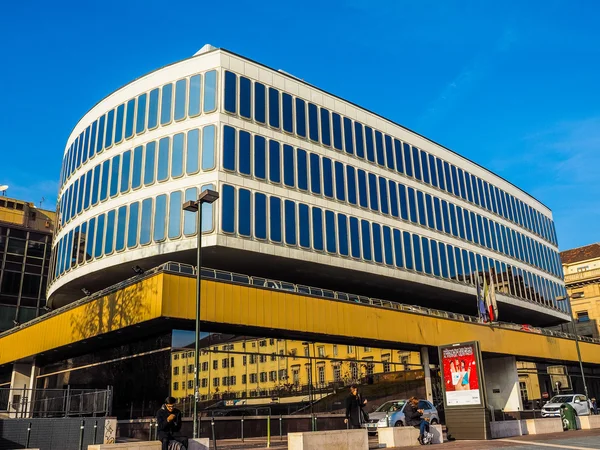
(579, 402)
(392, 414)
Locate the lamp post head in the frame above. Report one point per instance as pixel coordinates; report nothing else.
(191, 206)
(208, 196)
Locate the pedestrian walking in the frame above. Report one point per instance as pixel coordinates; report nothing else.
(355, 415)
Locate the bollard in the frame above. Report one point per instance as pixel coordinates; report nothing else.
(268, 431)
(387, 418)
(150, 432)
(81, 428)
(242, 428)
(95, 432)
(28, 435)
(315, 426)
(281, 427)
(212, 426)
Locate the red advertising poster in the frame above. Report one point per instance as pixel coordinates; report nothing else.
(460, 375)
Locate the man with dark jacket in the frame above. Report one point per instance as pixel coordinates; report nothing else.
(413, 418)
(168, 421)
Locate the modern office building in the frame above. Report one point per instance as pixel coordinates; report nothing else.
(314, 190)
(25, 248)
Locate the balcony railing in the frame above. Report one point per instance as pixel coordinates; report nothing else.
(579, 277)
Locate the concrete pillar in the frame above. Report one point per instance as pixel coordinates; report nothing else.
(22, 390)
(502, 383)
(427, 371)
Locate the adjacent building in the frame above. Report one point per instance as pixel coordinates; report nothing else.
(25, 248)
(582, 278)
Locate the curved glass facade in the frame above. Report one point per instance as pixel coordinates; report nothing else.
(321, 177)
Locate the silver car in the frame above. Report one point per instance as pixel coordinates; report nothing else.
(391, 414)
(579, 402)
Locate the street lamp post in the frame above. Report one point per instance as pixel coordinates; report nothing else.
(310, 388)
(208, 196)
(566, 298)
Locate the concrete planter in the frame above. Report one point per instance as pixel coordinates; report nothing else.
(588, 422)
(331, 440)
(390, 437)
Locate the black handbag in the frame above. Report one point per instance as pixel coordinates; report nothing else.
(365, 415)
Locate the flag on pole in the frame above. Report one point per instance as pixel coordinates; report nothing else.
(492, 301)
(481, 308)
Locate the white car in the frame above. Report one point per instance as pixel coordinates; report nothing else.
(579, 402)
(391, 414)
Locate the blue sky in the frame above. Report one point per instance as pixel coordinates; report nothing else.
(511, 85)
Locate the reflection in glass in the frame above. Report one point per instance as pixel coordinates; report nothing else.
(317, 225)
(397, 234)
(177, 156)
(230, 92)
(132, 226)
(125, 171)
(130, 117)
(330, 231)
(228, 209)
(260, 157)
(104, 182)
(370, 145)
(325, 127)
(426, 255)
(260, 105)
(166, 106)
(210, 91)
(383, 196)
(389, 153)
(275, 219)
(146, 222)
(348, 143)
(340, 182)
(175, 211)
(429, 208)
(109, 240)
(160, 218)
(366, 240)
(355, 237)
(290, 222)
(425, 167)
(114, 175)
(93, 143)
(379, 148)
(89, 247)
(208, 147)
(119, 123)
(399, 156)
(136, 178)
(190, 218)
(195, 95)
(407, 159)
(435, 258)
(304, 225)
(140, 125)
(315, 174)
(149, 166)
(351, 184)
(207, 212)
(342, 224)
(88, 189)
(96, 187)
(412, 204)
(244, 212)
(110, 118)
(377, 250)
(245, 98)
(163, 159)
(408, 258)
(192, 152)
(288, 113)
(153, 109)
(327, 177)
(274, 162)
(288, 165)
(393, 189)
(337, 131)
(180, 98)
(302, 169)
(313, 122)
(362, 188)
(273, 107)
(121, 223)
(260, 216)
(417, 253)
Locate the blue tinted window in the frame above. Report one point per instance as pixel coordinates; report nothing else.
(425, 167)
(366, 240)
(340, 182)
(244, 153)
(433, 170)
(93, 138)
(388, 248)
(448, 178)
(440, 172)
(245, 97)
(383, 196)
(455, 184)
(89, 240)
(362, 189)
(275, 219)
(446, 262)
(146, 222)
(132, 226)
(446, 217)
(260, 157)
(398, 250)
(408, 169)
(260, 216)
(355, 237)
(96, 187)
(288, 113)
(166, 104)
(302, 170)
(229, 155)
(327, 178)
(325, 127)
(108, 140)
(163, 159)
(177, 156)
(468, 229)
(315, 174)
(104, 182)
(140, 124)
(99, 236)
(370, 145)
(114, 175)
(149, 165)
(195, 97)
(358, 139)
(300, 117)
(109, 239)
(453, 221)
(274, 162)
(337, 131)
(399, 156)
(189, 217)
(416, 241)
(330, 232)
(403, 201)
(379, 148)
(244, 212)
(421, 207)
(343, 234)
(210, 91)
(373, 198)
(435, 258)
(130, 117)
(180, 100)
(393, 189)
(482, 197)
(469, 187)
(160, 218)
(288, 166)
(461, 181)
(100, 141)
(192, 152)
(230, 92)
(119, 123)
(260, 103)
(348, 143)
(290, 222)
(274, 107)
(389, 153)
(153, 109)
(175, 211)
(377, 250)
(317, 225)
(304, 225)
(412, 205)
(426, 256)
(461, 222)
(228, 209)
(125, 171)
(417, 163)
(313, 122)
(429, 207)
(351, 184)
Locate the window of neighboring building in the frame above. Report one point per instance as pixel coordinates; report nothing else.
(335, 350)
(215, 364)
(190, 384)
(253, 378)
(176, 370)
(244, 377)
(583, 268)
(321, 374)
(321, 351)
(583, 316)
(216, 382)
(263, 377)
(176, 386)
